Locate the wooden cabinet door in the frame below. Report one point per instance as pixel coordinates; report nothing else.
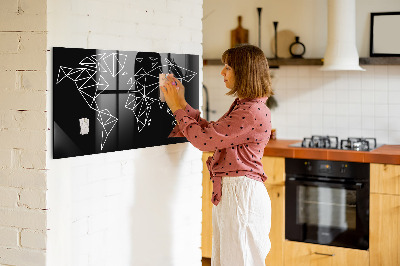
(385, 178)
(277, 233)
(384, 236)
(206, 226)
(305, 254)
(274, 168)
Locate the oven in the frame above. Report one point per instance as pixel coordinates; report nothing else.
(327, 202)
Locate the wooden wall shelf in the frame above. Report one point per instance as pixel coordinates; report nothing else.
(273, 63)
(380, 61)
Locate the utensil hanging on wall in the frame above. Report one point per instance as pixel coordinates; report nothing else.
(259, 9)
(276, 38)
(239, 35)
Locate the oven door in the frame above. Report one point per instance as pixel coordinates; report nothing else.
(327, 213)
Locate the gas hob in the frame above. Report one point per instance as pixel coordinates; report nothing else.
(332, 142)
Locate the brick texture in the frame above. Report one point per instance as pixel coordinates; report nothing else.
(117, 208)
(23, 132)
(9, 237)
(33, 239)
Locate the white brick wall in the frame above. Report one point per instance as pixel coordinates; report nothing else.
(101, 206)
(23, 132)
(137, 207)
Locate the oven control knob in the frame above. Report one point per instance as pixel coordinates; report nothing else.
(308, 166)
(343, 168)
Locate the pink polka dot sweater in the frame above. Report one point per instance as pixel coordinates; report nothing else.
(238, 139)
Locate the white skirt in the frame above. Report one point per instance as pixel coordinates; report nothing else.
(241, 223)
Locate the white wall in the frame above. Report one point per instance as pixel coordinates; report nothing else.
(305, 18)
(23, 133)
(136, 207)
(311, 102)
(345, 103)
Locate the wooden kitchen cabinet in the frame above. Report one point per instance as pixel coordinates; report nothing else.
(206, 225)
(385, 178)
(277, 233)
(384, 236)
(274, 168)
(306, 254)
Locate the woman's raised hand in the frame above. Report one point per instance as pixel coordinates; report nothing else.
(174, 93)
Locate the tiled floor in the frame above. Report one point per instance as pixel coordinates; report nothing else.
(206, 261)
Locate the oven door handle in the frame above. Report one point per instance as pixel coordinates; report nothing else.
(357, 185)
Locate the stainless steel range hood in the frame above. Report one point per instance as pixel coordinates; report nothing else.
(341, 51)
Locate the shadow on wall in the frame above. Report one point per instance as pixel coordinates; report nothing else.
(155, 193)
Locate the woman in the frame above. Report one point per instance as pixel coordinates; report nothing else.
(242, 208)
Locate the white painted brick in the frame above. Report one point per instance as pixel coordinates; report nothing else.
(169, 20)
(80, 227)
(97, 173)
(17, 256)
(184, 7)
(136, 44)
(149, 6)
(33, 7)
(80, 39)
(33, 239)
(114, 186)
(31, 53)
(23, 178)
(22, 218)
(35, 120)
(5, 158)
(98, 222)
(196, 38)
(8, 237)
(196, 10)
(33, 159)
(11, 138)
(33, 199)
(190, 48)
(23, 100)
(8, 197)
(9, 42)
(162, 32)
(31, 80)
(7, 80)
(113, 170)
(190, 22)
(29, 61)
(96, 41)
(79, 175)
(113, 28)
(16, 158)
(22, 22)
(8, 6)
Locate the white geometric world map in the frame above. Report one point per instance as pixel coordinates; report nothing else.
(139, 99)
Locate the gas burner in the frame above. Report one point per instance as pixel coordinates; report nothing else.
(332, 142)
(358, 144)
(327, 142)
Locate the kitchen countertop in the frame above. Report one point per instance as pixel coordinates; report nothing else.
(389, 154)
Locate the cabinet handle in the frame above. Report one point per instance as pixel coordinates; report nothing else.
(325, 254)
